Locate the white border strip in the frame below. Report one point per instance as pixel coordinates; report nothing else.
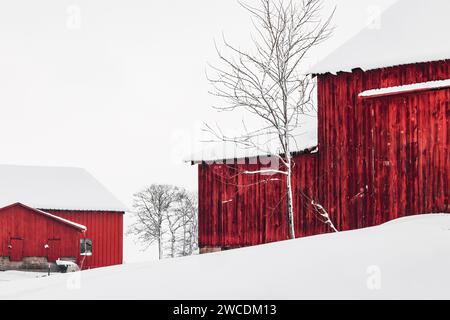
(421, 86)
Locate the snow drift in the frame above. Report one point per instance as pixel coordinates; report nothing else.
(407, 258)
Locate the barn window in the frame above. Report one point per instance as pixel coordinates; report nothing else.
(86, 247)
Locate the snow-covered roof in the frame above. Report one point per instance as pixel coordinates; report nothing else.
(51, 216)
(410, 31)
(227, 152)
(55, 188)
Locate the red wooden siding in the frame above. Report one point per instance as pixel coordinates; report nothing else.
(28, 232)
(241, 210)
(397, 146)
(106, 231)
(378, 159)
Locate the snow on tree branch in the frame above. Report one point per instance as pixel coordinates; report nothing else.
(324, 214)
(265, 171)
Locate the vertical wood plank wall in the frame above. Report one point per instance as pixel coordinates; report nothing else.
(105, 229)
(384, 157)
(36, 230)
(378, 159)
(241, 210)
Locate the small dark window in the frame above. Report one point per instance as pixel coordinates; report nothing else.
(86, 247)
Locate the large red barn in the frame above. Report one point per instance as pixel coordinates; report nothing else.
(54, 213)
(383, 140)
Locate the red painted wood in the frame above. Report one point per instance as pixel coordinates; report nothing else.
(378, 159)
(16, 249)
(241, 210)
(24, 233)
(106, 231)
(397, 146)
(104, 228)
(54, 249)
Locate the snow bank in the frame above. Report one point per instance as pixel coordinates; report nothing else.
(410, 31)
(408, 259)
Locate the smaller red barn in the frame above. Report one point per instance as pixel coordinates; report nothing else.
(53, 213)
(28, 232)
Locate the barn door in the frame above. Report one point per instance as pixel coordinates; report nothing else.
(16, 249)
(54, 250)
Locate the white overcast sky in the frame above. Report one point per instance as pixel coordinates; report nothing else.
(120, 88)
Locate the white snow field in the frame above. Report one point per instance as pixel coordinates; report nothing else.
(408, 258)
(12, 275)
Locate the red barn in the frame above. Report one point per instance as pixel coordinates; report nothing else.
(49, 214)
(383, 140)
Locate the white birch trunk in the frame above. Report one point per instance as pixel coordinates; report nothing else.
(290, 200)
(289, 195)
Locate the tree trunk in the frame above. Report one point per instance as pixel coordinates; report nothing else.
(289, 198)
(172, 246)
(159, 248)
(184, 237)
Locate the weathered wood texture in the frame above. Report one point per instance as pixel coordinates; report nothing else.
(385, 157)
(378, 159)
(237, 209)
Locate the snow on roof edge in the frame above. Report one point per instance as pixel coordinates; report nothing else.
(82, 209)
(74, 224)
(428, 85)
(199, 159)
(47, 214)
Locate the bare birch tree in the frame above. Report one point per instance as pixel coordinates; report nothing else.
(267, 82)
(151, 207)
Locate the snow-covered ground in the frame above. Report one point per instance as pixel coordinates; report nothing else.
(11, 275)
(407, 258)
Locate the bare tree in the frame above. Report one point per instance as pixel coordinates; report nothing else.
(182, 224)
(152, 206)
(174, 223)
(166, 215)
(188, 211)
(267, 81)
